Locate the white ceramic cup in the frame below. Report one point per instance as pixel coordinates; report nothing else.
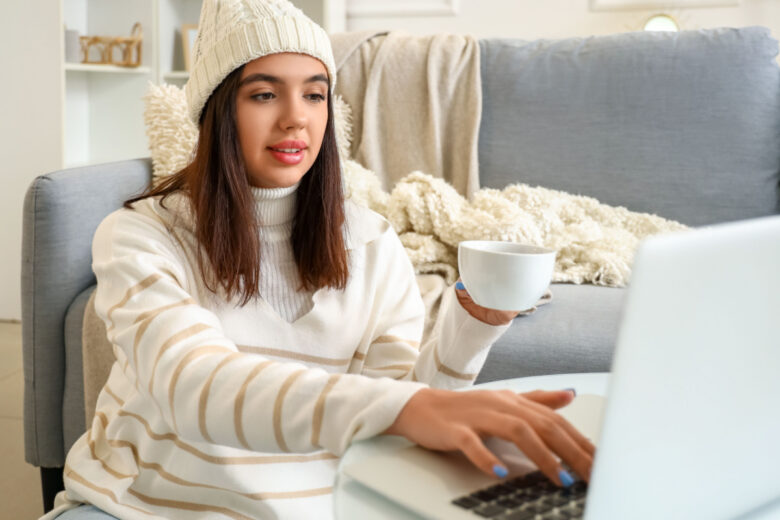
(505, 275)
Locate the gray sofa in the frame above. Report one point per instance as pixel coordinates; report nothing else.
(684, 125)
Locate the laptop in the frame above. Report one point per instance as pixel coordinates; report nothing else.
(691, 422)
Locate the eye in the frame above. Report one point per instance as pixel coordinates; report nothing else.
(263, 96)
(316, 97)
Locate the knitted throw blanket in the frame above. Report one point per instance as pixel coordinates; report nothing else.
(415, 89)
(595, 242)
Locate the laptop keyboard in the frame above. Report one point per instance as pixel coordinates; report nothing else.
(530, 497)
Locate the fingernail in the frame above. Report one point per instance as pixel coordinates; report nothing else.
(573, 391)
(460, 286)
(566, 479)
(501, 471)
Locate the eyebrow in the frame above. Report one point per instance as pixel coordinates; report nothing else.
(259, 76)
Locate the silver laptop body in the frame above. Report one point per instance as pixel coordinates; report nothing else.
(691, 428)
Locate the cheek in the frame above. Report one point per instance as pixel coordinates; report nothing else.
(321, 123)
(250, 134)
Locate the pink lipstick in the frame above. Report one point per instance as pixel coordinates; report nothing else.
(289, 151)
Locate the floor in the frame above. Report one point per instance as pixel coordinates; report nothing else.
(20, 487)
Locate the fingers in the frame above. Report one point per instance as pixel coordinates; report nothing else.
(471, 445)
(579, 438)
(551, 430)
(555, 399)
(573, 432)
(556, 435)
(483, 314)
(529, 442)
(445, 420)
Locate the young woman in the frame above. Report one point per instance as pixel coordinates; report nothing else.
(261, 323)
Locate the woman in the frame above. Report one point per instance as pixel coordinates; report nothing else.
(261, 324)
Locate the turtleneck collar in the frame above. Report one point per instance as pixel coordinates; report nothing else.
(275, 206)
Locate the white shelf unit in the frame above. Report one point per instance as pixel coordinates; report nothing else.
(103, 109)
(173, 14)
(103, 104)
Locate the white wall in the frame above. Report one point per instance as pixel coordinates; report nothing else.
(30, 124)
(532, 19)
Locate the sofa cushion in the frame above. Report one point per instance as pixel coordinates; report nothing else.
(684, 125)
(576, 332)
(73, 424)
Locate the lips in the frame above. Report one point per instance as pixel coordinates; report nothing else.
(288, 152)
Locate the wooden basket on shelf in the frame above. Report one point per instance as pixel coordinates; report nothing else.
(129, 48)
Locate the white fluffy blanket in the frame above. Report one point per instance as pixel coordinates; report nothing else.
(595, 242)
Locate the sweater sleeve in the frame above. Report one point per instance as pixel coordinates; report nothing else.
(457, 347)
(196, 379)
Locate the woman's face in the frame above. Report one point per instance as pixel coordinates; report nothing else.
(281, 114)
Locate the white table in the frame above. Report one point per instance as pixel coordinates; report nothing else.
(352, 500)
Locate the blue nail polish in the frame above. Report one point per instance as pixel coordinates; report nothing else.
(572, 390)
(566, 479)
(460, 286)
(501, 471)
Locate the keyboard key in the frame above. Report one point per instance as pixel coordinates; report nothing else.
(519, 494)
(489, 510)
(519, 515)
(566, 492)
(500, 490)
(561, 514)
(537, 507)
(509, 502)
(558, 500)
(579, 486)
(520, 483)
(467, 502)
(484, 495)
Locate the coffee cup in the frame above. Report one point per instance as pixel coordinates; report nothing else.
(505, 276)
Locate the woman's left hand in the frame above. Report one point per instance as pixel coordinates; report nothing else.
(483, 314)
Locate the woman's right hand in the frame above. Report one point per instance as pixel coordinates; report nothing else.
(446, 420)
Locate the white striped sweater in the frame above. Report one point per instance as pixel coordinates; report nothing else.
(217, 411)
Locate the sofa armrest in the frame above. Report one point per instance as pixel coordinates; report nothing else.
(61, 213)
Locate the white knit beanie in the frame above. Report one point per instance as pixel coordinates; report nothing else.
(234, 32)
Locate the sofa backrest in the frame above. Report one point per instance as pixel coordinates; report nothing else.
(685, 125)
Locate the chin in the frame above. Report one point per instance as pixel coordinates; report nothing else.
(278, 179)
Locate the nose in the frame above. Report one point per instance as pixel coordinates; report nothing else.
(293, 115)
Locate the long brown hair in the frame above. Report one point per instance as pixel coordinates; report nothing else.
(226, 224)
